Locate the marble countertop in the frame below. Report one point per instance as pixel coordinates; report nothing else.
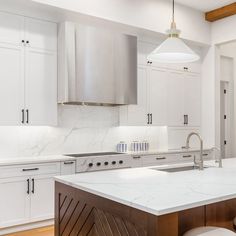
(34, 160)
(159, 192)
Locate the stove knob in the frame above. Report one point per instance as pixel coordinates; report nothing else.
(121, 162)
(90, 164)
(98, 163)
(113, 163)
(106, 163)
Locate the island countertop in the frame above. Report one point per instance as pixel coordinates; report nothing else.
(158, 192)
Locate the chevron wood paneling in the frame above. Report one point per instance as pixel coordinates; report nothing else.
(77, 218)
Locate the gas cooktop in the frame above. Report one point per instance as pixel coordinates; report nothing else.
(94, 154)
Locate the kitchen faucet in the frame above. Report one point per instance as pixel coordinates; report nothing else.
(201, 148)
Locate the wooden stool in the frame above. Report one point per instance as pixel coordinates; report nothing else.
(209, 231)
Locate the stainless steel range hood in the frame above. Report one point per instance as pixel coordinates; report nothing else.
(96, 66)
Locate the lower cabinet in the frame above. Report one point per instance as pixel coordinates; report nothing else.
(144, 160)
(14, 202)
(42, 198)
(28, 197)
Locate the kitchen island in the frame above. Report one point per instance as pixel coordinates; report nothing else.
(145, 201)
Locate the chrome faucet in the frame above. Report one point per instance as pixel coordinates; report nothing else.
(201, 148)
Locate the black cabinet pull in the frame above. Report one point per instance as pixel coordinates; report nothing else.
(185, 120)
(136, 157)
(68, 162)
(28, 186)
(32, 169)
(27, 116)
(160, 158)
(187, 156)
(23, 116)
(148, 118)
(32, 186)
(151, 118)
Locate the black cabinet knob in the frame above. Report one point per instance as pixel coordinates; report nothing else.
(98, 163)
(121, 162)
(90, 164)
(113, 163)
(106, 163)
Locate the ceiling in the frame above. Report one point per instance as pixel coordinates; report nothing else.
(205, 5)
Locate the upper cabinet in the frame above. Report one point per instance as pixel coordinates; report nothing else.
(41, 34)
(168, 95)
(28, 72)
(184, 99)
(11, 28)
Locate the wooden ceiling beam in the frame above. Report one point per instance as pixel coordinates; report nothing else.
(221, 13)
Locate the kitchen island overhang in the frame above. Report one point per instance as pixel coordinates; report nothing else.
(87, 204)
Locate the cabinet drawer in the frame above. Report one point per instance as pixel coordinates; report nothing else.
(137, 161)
(151, 160)
(26, 170)
(67, 167)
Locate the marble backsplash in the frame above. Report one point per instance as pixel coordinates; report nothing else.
(80, 129)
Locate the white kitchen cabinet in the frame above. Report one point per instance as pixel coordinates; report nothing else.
(165, 98)
(27, 193)
(14, 201)
(42, 198)
(184, 99)
(11, 29)
(192, 99)
(152, 95)
(175, 101)
(40, 87)
(41, 34)
(12, 84)
(28, 73)
(157, 91)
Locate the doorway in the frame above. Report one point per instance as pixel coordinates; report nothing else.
(227, 107)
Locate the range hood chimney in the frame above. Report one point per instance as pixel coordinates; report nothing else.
(96, 66)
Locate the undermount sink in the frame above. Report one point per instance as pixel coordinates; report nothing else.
(178, 169)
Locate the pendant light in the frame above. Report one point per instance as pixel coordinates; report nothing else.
(173, 49)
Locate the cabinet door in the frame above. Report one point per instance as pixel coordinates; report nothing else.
(11, 29)
(175, 104)
(42, 198)
(41, 87)
(158, 96)
(41, 34)
(192, 99)
(137, 114)
(14, 202)
(12, 84)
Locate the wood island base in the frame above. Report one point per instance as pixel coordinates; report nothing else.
(79, 213)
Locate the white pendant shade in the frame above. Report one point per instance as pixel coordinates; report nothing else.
(173, 50)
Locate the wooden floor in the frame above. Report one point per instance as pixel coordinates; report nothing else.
(46, 231)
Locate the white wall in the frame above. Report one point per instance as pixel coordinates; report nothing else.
(208, 97)
(154, 15)
(223, 30)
